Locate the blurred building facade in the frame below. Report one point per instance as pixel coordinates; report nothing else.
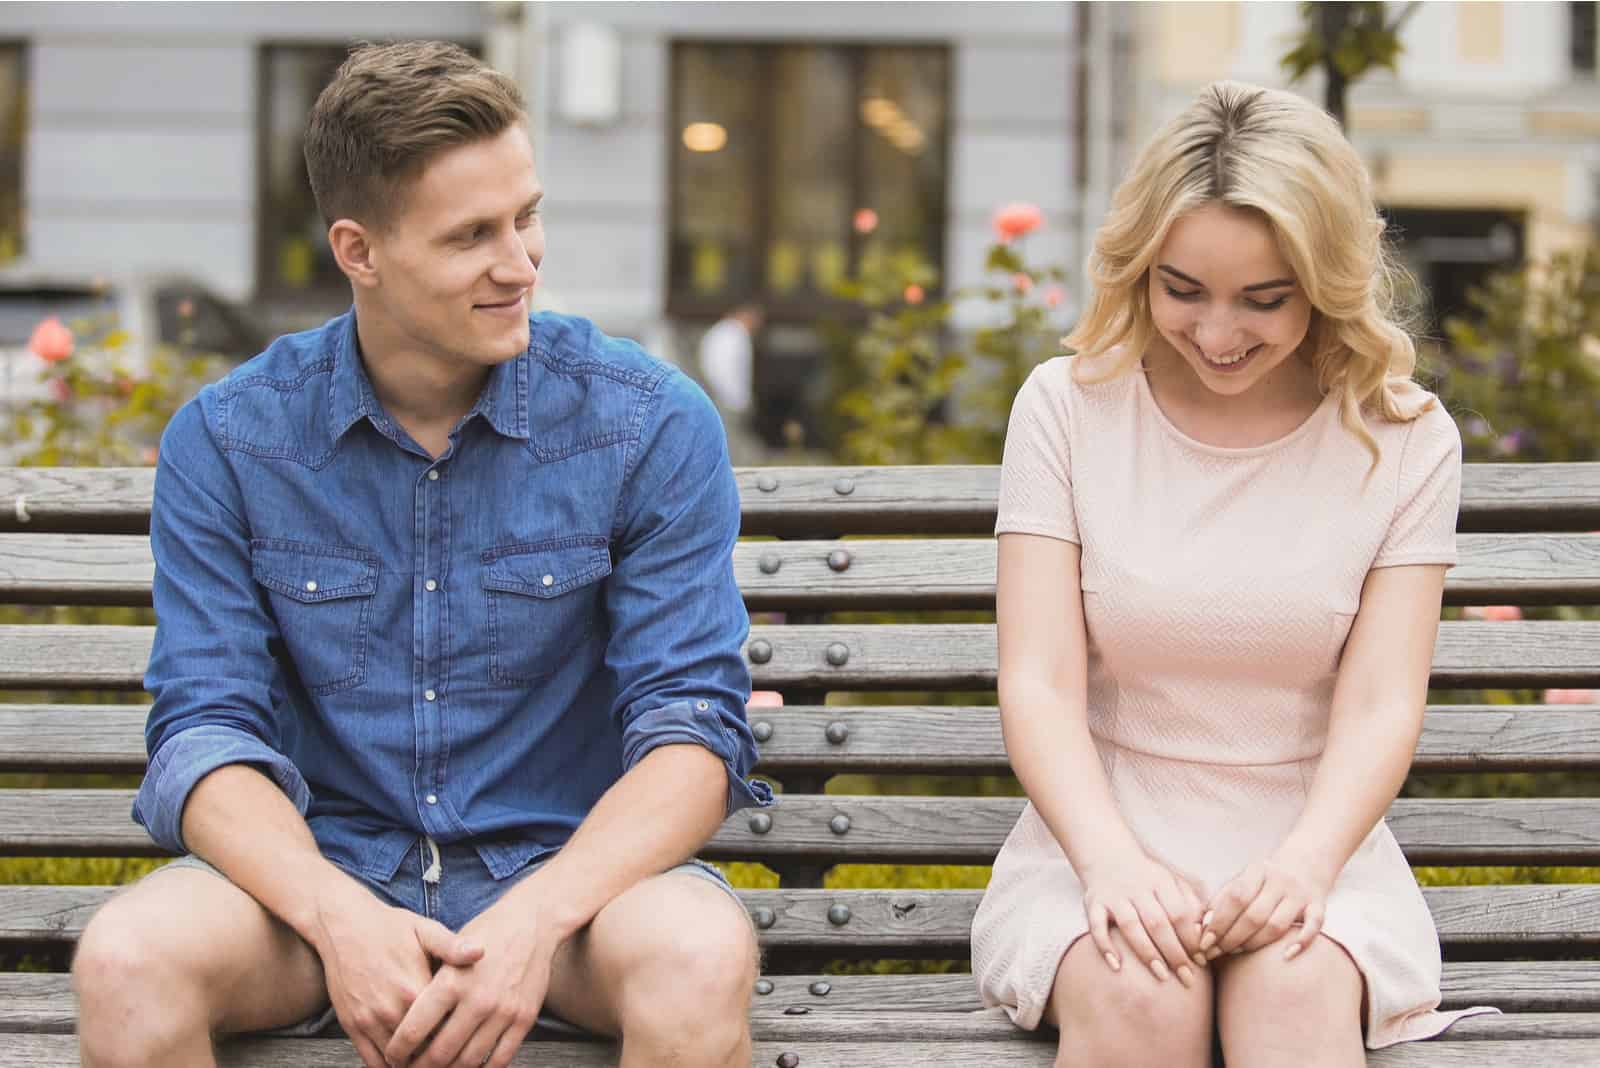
(695, 155)
(698, 155)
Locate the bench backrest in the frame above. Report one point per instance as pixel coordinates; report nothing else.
(844, 554)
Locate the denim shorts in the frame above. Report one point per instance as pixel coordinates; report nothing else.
(448, 883)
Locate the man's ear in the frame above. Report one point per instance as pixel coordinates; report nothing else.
(353, 252)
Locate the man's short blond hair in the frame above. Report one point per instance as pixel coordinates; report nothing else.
(388, 112)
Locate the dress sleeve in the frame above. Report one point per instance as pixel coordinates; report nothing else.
(1428, 497)
(1036, 474)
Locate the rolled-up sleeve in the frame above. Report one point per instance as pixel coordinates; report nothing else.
(216, 686)
(677, 619)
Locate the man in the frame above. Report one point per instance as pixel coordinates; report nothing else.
(447, 683)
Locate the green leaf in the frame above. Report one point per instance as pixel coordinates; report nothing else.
(1003, 258)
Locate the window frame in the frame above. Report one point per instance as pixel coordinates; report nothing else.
(24, 53)
(808, 309)
(1584, 64)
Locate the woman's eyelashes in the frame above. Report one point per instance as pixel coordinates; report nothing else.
(1195, 294)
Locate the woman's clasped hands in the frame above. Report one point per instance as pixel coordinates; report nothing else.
(1170, 929)
(1263, 903)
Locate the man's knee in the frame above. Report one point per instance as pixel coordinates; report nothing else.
(134, 1001)
(700, 964)
(700, 968)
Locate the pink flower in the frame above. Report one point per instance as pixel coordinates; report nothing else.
(150, 456)
(1022, 282)
(866, 221)
(1017, 220)
(51, 341)
(1494, 613)
(1054, 296)
(60, 391)
(1572, 697)
(914, 294)
(765, 699)
(125, 385)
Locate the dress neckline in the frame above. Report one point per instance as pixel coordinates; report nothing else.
(1171, 428)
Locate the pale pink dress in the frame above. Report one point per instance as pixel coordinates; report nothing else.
(1219, 585)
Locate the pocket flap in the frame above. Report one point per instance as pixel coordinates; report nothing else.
(312, 573)
(548, 569)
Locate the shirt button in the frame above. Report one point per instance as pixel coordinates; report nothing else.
(702, 705)
(428, 695)
(432, 799)
(433, 476)
(549, 580)
(311, 587)
(430, 585)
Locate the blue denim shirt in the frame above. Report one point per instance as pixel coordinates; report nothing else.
(472, 648)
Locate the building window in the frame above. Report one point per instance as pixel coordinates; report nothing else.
(294, 254)
(1585, 45)
(775, 150)
(1448, 253)
(13, 133)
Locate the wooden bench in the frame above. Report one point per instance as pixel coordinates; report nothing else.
(823, 542)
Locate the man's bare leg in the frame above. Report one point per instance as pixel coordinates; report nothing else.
(179, 958)
(668, 967)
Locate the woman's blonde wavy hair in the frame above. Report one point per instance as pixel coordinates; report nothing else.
(1277, 154)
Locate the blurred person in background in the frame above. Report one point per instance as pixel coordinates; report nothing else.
(726, 358)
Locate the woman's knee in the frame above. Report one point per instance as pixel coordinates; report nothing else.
(1320, 981)
(1128, 1016)
(1268, 1008)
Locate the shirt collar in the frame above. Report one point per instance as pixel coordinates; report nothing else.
(503, 402)
(350, 396)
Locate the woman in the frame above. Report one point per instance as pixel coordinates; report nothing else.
(1248, 507)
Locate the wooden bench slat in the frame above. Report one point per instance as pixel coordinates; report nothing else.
(884, 739)
(952, 738)
(109, 569)
(73, 738)
(899, 829)
(34, 1051)
(117, 569)
(936, 830)
(963, 656)
(1537, 997)
(97, 499)
(890, 1047)
(884, 657)
(1536, 987)
(918, 922)
(808, 502)
(46, 1004)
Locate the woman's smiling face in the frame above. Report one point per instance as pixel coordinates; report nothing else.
(1222, 296)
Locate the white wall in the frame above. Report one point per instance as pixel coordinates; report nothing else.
(1533, 51)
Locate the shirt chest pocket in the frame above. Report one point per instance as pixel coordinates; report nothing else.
(544, 602)
(321, 597)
